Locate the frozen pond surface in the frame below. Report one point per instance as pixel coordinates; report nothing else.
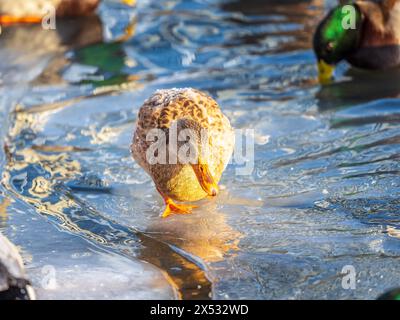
(324, 192)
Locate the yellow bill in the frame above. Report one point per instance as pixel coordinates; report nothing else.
(205, 179)
(325, 72)
(129, 2)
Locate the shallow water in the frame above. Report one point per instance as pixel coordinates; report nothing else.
(323, 193)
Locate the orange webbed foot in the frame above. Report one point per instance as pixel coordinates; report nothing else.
(172, 207)
(10, 20)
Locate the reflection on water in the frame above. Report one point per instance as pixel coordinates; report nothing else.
(359, 86)
(323, 193)
(4, 203)
(207, 236)
(299, 17)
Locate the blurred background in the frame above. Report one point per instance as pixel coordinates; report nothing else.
(324, 192)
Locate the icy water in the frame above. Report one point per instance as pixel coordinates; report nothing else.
(324, 192)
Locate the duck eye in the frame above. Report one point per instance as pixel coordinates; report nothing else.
(330, 46)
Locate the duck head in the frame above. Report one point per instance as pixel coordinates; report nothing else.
(191, 133)
(336, 37)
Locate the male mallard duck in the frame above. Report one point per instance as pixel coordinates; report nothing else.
(32, 11)
(209, 131)
(372, 42)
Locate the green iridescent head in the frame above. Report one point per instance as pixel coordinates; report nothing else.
(337, 36)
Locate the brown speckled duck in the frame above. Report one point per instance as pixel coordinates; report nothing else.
(32, 11)
(185, 109)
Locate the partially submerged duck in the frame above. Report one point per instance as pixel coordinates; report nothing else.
(33, 11)
(366, 33)
(14, 284)
(200, 114)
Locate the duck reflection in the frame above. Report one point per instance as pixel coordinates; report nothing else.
(203, 237)
(359, 86)
(4, 204)
(34, 41)
(205, 234)
(83, 35)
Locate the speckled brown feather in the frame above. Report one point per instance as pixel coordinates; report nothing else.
(160, 111)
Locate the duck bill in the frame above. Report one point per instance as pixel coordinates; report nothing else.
(205, 179)
(130, 3)
(325, 72)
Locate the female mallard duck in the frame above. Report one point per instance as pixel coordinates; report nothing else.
(177, 175)
(32, 11)
(371, 42)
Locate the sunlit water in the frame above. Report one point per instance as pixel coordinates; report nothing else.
(323, 193)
